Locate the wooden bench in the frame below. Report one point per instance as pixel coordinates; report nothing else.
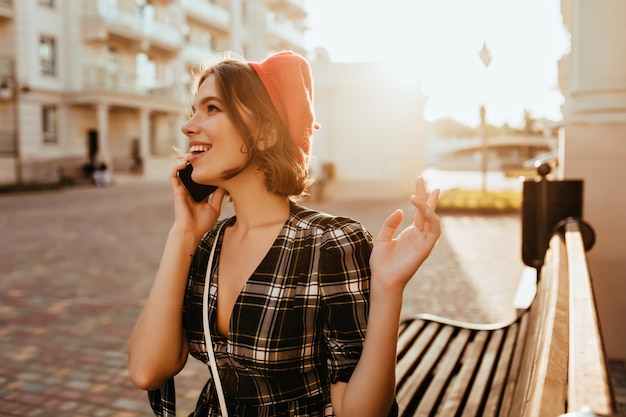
(549, 361)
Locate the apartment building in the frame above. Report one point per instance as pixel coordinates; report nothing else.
(85, 82)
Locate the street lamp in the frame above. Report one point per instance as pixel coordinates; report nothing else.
(485, 57)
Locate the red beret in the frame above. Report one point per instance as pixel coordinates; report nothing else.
(287, 78)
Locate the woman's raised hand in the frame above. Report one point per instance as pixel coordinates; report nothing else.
(190, 216)
(395, 260)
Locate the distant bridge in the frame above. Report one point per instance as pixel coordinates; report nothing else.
(504, 153)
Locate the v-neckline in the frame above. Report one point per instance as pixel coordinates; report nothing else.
(214, 275)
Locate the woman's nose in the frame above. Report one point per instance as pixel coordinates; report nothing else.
(188, 128)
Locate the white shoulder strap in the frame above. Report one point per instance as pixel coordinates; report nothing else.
(207, 329)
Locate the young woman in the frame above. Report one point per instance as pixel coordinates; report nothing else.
(301, 307)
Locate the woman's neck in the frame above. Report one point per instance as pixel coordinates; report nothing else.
(259, 208)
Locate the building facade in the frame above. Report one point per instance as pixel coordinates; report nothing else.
(85, 82)
(373, 135)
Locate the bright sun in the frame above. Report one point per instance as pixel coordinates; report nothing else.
(439, 41)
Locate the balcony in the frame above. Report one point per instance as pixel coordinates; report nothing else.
(208, 13)
(194, 54)
(98, 79)
(7, 10)
(101, 25)
(296, 8)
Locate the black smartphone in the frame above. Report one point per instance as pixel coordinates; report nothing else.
(199, 192)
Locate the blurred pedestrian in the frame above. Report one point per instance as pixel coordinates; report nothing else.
(295, 311)
(101, 175)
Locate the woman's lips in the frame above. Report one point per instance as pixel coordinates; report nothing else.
(198, 149)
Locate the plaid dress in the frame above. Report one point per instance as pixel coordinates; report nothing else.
(298, 324)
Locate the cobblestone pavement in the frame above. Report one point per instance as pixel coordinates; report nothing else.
(77, 264)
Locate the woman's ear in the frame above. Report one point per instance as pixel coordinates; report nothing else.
(267, 138)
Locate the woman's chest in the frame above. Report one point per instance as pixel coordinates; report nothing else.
(274, 314)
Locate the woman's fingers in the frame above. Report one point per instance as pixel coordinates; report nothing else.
(419, 196)
(420, 188)
(390, 226)
(433, 199)
(174, 173)
(432, 225)
(215, 199)
(426, 220)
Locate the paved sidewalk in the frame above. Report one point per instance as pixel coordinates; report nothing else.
(77, 264)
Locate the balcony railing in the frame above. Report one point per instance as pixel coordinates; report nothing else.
(195, 54)
(208, 12)
(298, 3)
(158, 30)
(100, 79)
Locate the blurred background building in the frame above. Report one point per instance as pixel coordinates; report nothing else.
(107, 81)
(372, 140)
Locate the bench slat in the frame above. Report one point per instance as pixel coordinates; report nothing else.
(492, 406)
(425, 365)
(507, 398)
(408, 331)
(481, 381)
(521, 386)
(453, 400)
(443, 373)
(415, 352)
(549, 378)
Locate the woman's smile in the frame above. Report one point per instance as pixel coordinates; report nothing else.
(198, 149)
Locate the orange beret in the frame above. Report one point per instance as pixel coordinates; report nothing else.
(287, 78)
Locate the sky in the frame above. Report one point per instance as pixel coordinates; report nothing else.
(438, 41)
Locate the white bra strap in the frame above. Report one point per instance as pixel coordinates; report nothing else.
(207, 329)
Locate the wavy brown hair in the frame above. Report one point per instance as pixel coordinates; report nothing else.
(250, 108)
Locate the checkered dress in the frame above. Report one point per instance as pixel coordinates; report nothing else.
(298, 324)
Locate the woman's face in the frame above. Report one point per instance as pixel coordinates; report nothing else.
(214, 142)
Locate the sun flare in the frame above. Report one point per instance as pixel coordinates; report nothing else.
(437, 44)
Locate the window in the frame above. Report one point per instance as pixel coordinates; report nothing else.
(47, 55)
(146, 71)
(49, 124)
(110, 65)
(144, 12)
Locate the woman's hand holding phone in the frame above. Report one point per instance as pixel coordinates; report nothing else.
(199, 192)
(194, 211)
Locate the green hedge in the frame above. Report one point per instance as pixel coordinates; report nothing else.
(477, 200)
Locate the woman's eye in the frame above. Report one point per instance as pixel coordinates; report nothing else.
(212, 108)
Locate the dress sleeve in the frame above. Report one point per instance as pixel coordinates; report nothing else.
(344, 286)
(163, 400)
